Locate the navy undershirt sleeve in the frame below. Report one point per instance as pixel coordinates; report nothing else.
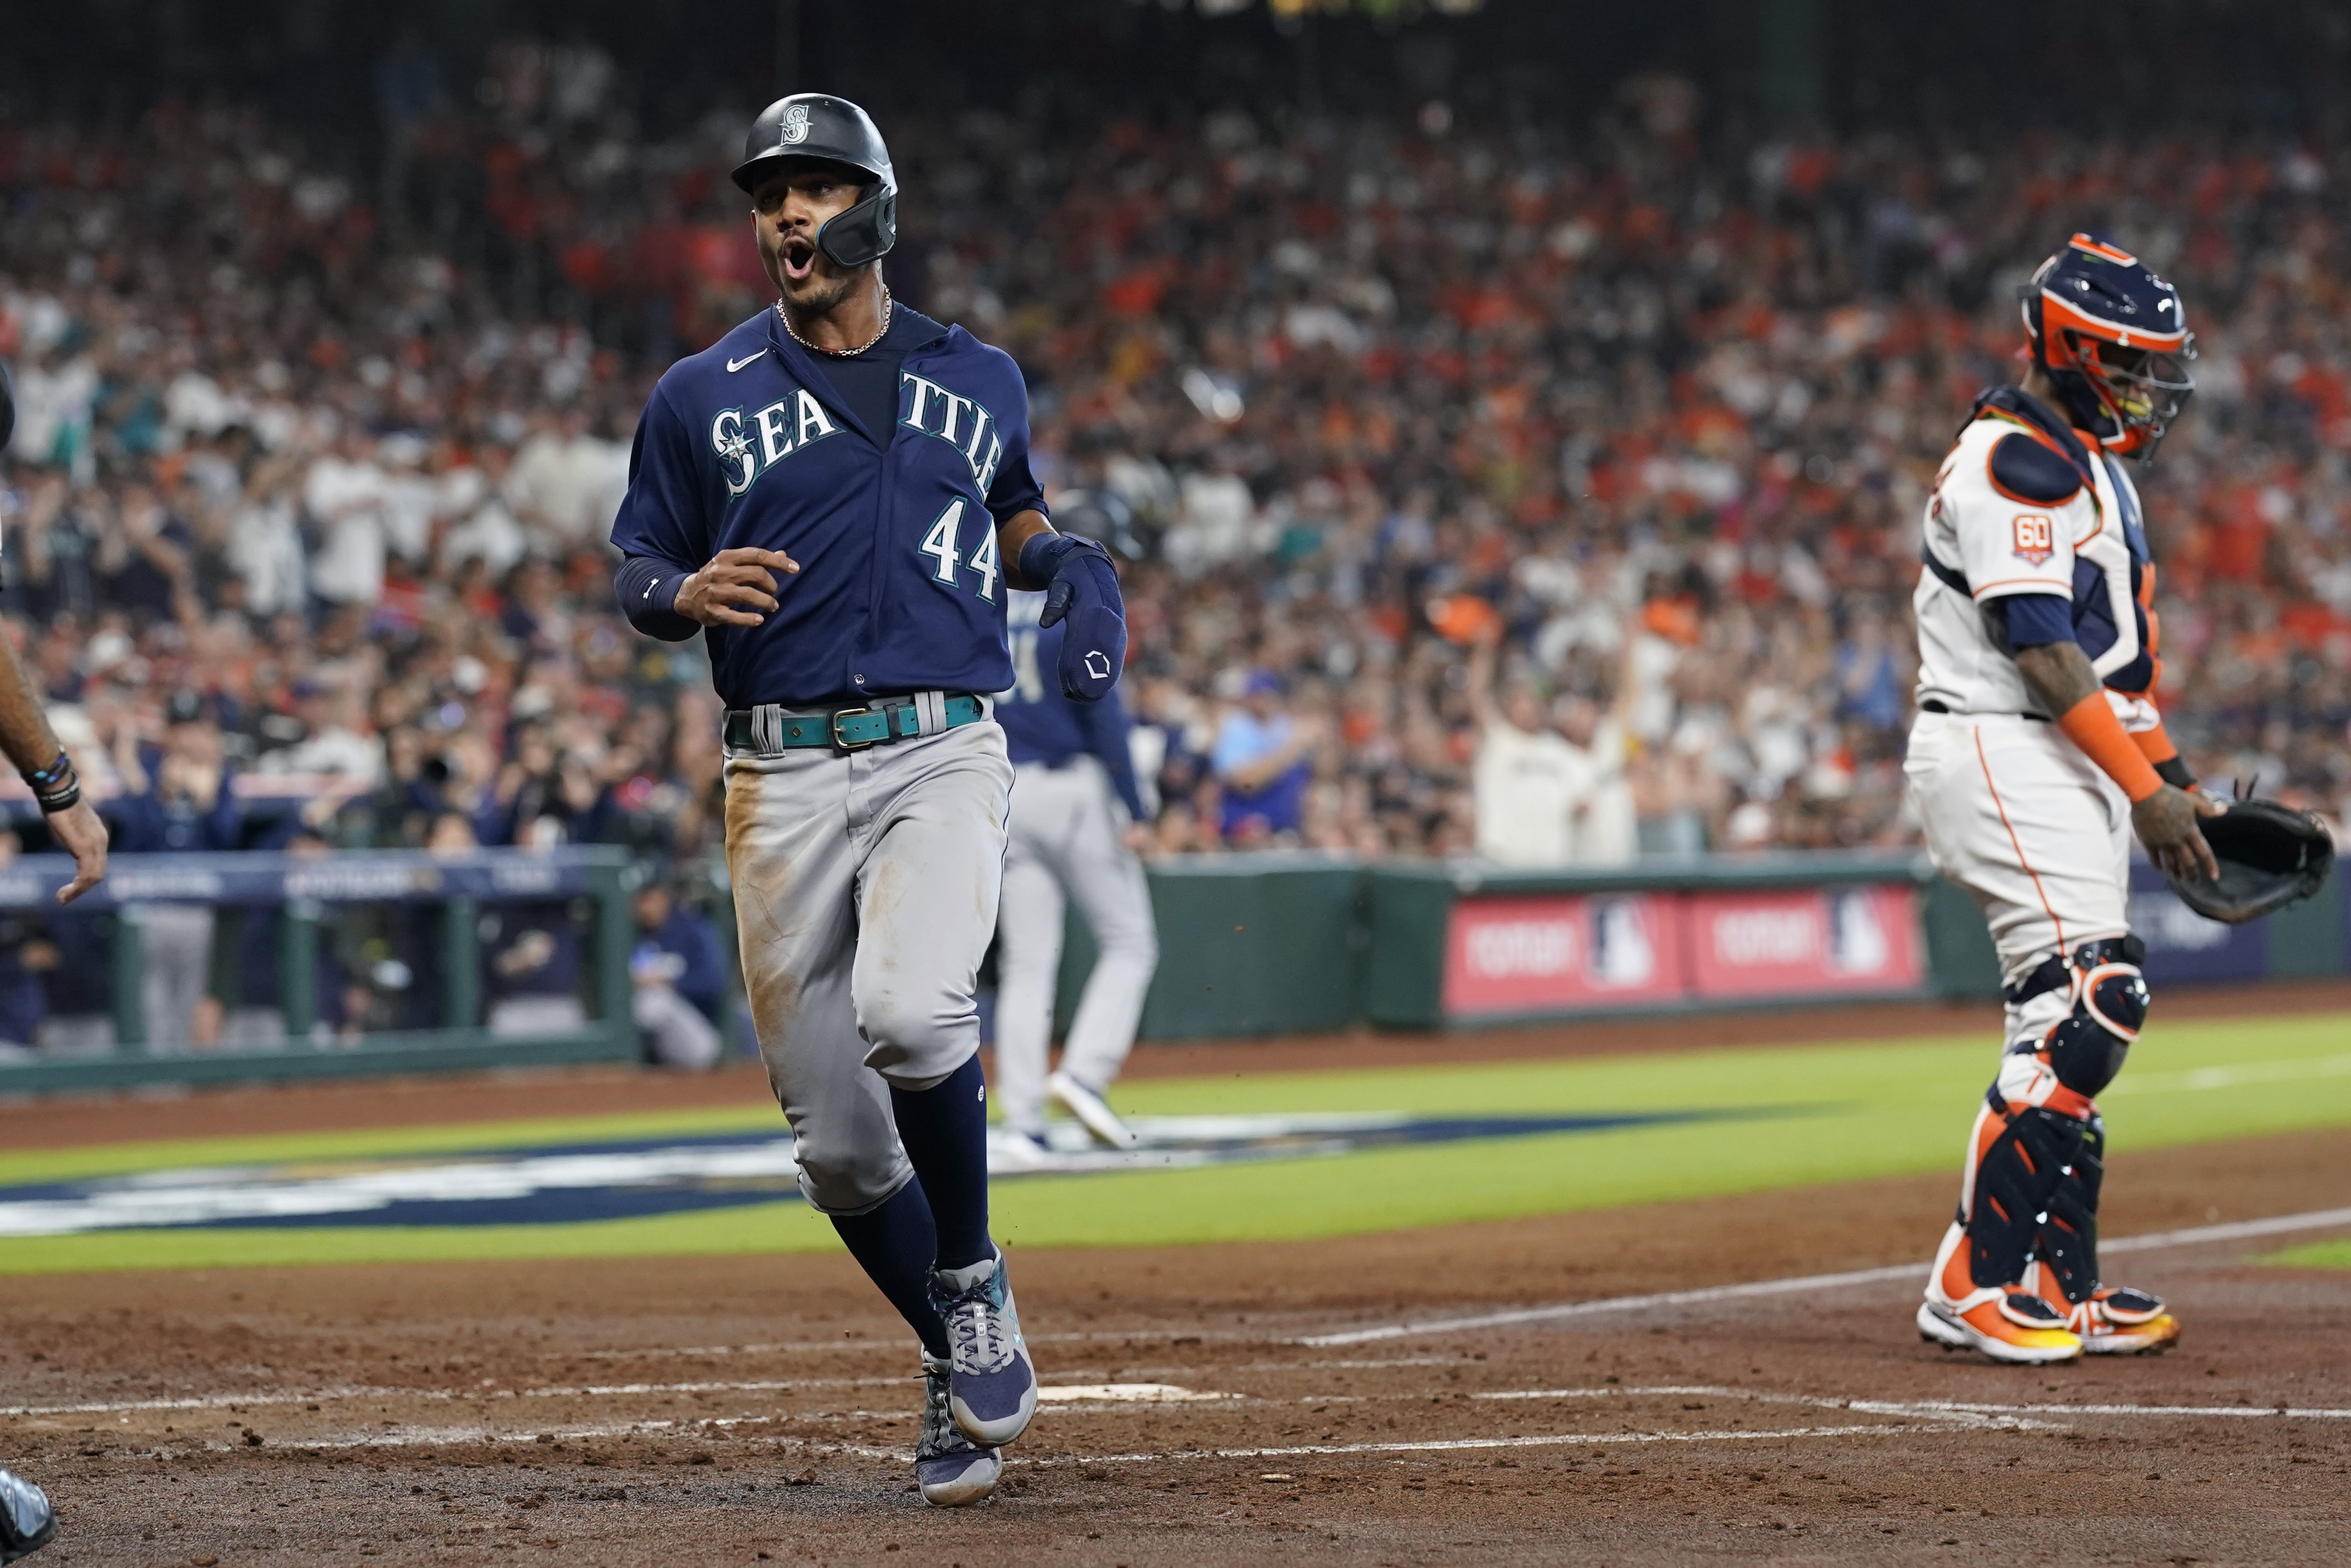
(2036, 620)
(1106, 727)
(647, 589)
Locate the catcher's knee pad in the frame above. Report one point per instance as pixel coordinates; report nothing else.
(2029, 1185)
(2085, 1047)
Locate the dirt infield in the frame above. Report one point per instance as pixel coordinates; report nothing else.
(66, 1122)
(737, 1409)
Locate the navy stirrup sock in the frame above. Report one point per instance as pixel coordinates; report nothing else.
(893, 1244)
(944, 1129)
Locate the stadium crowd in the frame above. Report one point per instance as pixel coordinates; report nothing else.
(1436, 454)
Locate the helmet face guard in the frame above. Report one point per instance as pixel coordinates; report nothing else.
(820, 127)
(2141, 391)
(2114, 337)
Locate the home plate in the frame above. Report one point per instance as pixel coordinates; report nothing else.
(1119, 1393)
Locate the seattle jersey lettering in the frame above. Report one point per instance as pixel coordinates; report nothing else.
(747, 449)
(960, 422)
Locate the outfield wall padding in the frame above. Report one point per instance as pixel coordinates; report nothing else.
(1272, 944)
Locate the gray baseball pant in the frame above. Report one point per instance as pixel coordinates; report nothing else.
(176, 944)
(865, 890)
(1064, 845)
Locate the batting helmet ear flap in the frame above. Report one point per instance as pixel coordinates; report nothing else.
(865, 232)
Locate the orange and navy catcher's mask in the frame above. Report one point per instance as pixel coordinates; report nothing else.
(2114, 337)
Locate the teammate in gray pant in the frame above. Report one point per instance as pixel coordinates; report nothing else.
(1079, 814)
(853, 603)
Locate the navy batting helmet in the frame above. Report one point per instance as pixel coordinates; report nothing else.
(835, 131)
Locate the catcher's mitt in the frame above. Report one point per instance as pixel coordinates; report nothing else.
(2269, 855)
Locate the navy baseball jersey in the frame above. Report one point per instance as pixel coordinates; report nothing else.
(901, 589)
(1041, 725)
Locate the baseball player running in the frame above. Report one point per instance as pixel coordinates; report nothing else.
(28, 1522)
(2036, 753)
(1077, 821)
(837, 495)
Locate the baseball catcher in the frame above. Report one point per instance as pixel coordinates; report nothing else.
(2035, 755)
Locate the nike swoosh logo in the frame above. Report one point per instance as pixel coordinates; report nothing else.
(733, 365)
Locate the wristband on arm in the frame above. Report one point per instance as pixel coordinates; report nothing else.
(2157, 747)
(2090, 724)
(58, 787)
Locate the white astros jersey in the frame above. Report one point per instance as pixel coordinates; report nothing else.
(2010, 515)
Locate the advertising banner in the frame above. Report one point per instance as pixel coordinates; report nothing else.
(1797, 941)
(1509, 956)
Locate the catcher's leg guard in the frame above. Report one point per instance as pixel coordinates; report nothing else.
(2111, 1320)
(2028, 1218)
(2024, 1155)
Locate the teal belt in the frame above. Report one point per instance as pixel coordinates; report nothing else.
(771, 728)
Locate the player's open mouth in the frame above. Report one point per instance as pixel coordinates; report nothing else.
(800, 258)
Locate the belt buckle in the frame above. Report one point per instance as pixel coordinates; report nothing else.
(841, 742)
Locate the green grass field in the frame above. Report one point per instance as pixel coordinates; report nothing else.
(1839, 1112)
(2317, 1255)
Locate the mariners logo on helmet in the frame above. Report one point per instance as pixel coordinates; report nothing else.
(796, 125)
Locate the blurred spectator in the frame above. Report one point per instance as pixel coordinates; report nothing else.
(1527, 779)
(679, 969)
(1262, 761)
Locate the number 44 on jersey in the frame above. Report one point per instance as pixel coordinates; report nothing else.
(940, 545)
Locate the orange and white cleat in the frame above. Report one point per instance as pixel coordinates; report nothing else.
(2114, 1320)
(2006, 1323)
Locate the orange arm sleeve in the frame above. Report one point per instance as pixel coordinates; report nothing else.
(2157, 747)
(2090, 724)
(2154, 744)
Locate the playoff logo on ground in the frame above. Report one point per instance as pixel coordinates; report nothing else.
(1573, 953)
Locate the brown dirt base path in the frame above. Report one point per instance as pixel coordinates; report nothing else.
(743, 1409)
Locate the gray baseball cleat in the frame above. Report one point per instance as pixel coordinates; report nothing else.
(1093, 1111)
(27, 1524)
(992, 1384)
(952, 1470)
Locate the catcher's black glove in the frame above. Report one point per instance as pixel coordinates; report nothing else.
(2269, 855)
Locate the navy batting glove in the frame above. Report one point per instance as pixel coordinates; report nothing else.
(1082, 588)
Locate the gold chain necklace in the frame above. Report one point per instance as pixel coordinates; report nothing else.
(839, 353)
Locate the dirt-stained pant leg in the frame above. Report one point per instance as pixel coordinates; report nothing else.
(929, 818)
(790, 857)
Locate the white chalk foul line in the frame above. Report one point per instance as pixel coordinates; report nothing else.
(1929, 1407)
(459, 1436)
(1448, 1445)
(2237, 1230)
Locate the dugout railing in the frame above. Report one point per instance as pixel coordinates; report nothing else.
(440, 900)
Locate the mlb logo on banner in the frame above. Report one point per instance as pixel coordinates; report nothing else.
(1508, 956)
(1803, 940)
